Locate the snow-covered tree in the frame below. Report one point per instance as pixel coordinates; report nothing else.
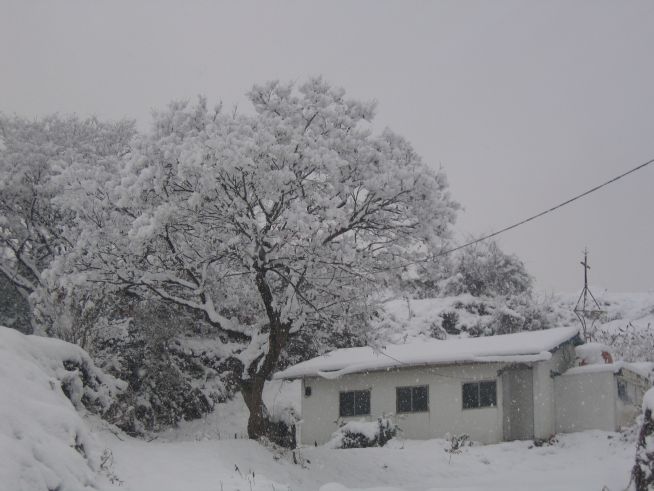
(47, 169)
(484, 269)
(269, 225)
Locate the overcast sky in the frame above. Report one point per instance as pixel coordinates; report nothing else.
(523, 103)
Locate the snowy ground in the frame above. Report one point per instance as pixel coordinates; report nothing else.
(583, 461)
(204, 456)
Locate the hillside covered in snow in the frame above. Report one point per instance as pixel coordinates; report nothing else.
(626, 323)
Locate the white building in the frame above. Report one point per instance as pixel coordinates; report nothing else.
(515, 386)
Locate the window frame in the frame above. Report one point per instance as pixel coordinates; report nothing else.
(354, 403)
(411, 388)
(478, 384)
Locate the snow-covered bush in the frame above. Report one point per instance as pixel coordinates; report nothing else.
(629, 342)
(44, 442)
(14, 308)
(450, 318)
(166, 383)
(484, 269)
(363, 434)
(642, 473)
(457, 444)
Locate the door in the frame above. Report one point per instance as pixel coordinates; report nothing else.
(518, 403)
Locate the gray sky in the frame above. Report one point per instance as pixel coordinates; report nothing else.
(523, 103)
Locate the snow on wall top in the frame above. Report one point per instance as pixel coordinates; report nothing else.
(642, 369)
(520, 347)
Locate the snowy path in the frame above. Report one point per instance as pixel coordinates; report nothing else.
(585, 461)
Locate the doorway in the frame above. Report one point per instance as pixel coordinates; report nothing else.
(518, 403)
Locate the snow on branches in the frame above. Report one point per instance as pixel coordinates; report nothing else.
(266, 224)
(51, 172)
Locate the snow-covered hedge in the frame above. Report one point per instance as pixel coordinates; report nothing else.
(44, 442)
(362, 434)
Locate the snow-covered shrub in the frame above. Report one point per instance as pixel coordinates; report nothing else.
(628, 342)
(44, 442)
(165, 381)
(363, 434)
(14, 308)
(642, 473)
(457, 443)
(506, 320)
(449, 322)
(484, 269)
(506, 315)
(281, 433)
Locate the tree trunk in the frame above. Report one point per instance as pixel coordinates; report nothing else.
(252, 388)
(260, 369)
(252, 391)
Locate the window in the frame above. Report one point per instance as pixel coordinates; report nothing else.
(479, 394)
(412, 399)
(623, 392)
(354, 403)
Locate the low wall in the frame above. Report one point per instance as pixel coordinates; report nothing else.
(586, 401)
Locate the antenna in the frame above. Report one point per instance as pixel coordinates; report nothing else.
(585, 309)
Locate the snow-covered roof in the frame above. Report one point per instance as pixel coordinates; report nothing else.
(520, 347)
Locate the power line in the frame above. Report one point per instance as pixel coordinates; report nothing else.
(550, 210)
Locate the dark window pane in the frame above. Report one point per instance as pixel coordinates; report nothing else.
(487, 394)
(622, 391)
(347, 404)
(362, 402)
(420, 398)
(470, 395)
(403, 399)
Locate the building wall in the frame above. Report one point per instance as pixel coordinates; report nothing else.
(544, 391)
(518, 403)
(586, 401)
(320, 411)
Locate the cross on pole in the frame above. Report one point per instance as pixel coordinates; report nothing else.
(581, 309)
(586, 266)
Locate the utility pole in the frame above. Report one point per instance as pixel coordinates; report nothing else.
(585, 309)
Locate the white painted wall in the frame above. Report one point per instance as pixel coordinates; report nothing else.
(446, 414)
(586, 401)
(544, 392)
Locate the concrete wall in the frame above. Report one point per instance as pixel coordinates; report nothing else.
(586, 401)
(320, 411)
(544, 392)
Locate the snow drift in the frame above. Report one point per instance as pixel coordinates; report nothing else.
(44, 442)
